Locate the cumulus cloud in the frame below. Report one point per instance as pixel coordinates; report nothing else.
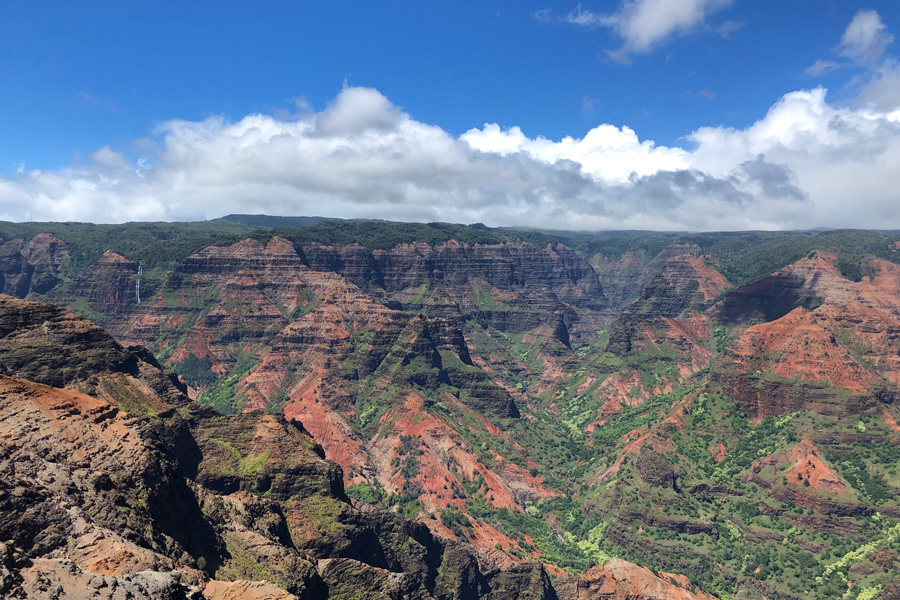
(605, 152)
(645, 24)
(846, 160)
(806, 163)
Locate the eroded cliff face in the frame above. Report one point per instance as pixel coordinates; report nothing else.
(33, 267)
(810, 282)
(666, 327)
(107, 288)
(514, 287)
(621, 580)
(47, 254)
(838, 339)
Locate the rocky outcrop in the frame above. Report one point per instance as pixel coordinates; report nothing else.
(799, 346)
(64, 580)
(31, 267)
(822, 335)
(107, 287)
(77, 473)
(15, 271)
(623, 278)
(683, 281)
(621, 580)
(808, 283)
(47, 254)
(654, 469)
(46, 344)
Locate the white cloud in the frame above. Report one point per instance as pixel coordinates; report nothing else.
(847, 160)
(881, 87)
(606, 152)
(591, 20)
(820, 67)
(107, 157)
(727, 28)
(806, 163)
(645, 24)
(866, 38)
(864, 42)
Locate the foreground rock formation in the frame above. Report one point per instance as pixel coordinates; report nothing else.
(131, 490)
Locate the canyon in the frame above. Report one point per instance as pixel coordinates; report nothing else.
(439, 411)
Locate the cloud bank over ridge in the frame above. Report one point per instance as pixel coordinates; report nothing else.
(805, 163)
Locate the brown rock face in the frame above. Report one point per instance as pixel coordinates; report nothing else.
(54, 346)
(49, 344)
(683, 280)
(64, 482)
(809, 282)
(32, 267)
(798, 345)
(245, 590)
(512, 286)
(845, 340)
(108, 286)
(621, 580)
(15, 271)
(310, 338)
(46, 253)
(809, 467)
(63, 580)
(801, 466)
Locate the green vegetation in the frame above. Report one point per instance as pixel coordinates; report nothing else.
(454, 520)
(196, 371)
(483, 299)
(383, 235)
(723, 337)
(252, 466)
(365, 493)
(743, 256)
(223, 395)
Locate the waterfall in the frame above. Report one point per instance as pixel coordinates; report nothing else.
(137, 283)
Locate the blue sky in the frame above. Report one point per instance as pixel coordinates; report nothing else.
(114, 78)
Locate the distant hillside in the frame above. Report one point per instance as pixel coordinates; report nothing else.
(275, 221)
